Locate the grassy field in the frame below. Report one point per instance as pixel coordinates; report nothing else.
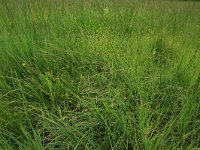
(99, 74)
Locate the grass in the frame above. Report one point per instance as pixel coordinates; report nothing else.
(99, 74)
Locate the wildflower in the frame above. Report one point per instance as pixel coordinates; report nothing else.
(23, 64)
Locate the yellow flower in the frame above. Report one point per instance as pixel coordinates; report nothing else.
(24, 64)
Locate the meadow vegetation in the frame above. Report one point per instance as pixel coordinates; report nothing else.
(99, 74)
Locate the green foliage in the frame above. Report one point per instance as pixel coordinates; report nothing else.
(99, 74)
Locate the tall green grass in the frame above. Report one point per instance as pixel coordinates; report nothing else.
(99, 74)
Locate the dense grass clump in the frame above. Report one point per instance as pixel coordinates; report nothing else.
(99, 74)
